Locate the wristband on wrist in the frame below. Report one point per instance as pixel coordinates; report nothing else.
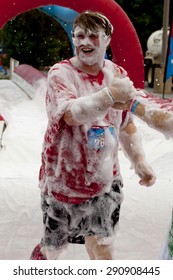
(131, 104)
(134, 105)
(109, 94)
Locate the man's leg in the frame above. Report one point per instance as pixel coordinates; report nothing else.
(97, 251)
(45, 253)
(37, 254)
(55, 236)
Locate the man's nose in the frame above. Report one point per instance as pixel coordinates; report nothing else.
(86, 41)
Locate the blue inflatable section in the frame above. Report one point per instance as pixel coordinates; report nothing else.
(64, 16)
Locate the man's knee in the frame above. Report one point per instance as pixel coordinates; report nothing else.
(100, 251)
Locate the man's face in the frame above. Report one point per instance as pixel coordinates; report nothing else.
(90, 47)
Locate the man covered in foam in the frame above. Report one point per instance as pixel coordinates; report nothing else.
(80, 177)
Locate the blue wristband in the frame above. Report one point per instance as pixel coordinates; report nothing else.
(135, 104)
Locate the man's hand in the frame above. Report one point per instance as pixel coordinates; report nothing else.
(145, 172)
(122, 106)
(122, 89)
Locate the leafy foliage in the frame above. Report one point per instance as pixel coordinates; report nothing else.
(146, 16)
(36, 39)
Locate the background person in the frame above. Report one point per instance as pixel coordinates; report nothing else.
(156, 118)
(3, 67)
(162, 121)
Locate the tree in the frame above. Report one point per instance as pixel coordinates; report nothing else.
(36, 39)
(146, 16)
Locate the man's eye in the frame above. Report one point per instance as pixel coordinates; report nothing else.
(80, 36)
(93, 36)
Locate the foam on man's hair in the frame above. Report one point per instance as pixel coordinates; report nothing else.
(104, 21)
(103, 17)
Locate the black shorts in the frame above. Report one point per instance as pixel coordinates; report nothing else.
(98, 216)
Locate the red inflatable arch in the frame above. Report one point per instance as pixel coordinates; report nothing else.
(125, 45)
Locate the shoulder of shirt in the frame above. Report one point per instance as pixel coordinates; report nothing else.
(64, 64)
(119, 69)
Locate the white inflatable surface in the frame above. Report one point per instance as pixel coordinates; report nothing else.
(145, 213)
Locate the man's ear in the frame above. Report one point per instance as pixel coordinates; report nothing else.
(108, 40)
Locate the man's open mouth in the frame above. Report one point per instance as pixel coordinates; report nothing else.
(86, 50)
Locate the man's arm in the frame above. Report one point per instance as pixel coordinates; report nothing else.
(93, 107)
(131, 143)
(88, 108)
(157, 118)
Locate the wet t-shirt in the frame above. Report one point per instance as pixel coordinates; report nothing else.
(79, 162)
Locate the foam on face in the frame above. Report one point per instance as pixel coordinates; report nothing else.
(96, 42)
